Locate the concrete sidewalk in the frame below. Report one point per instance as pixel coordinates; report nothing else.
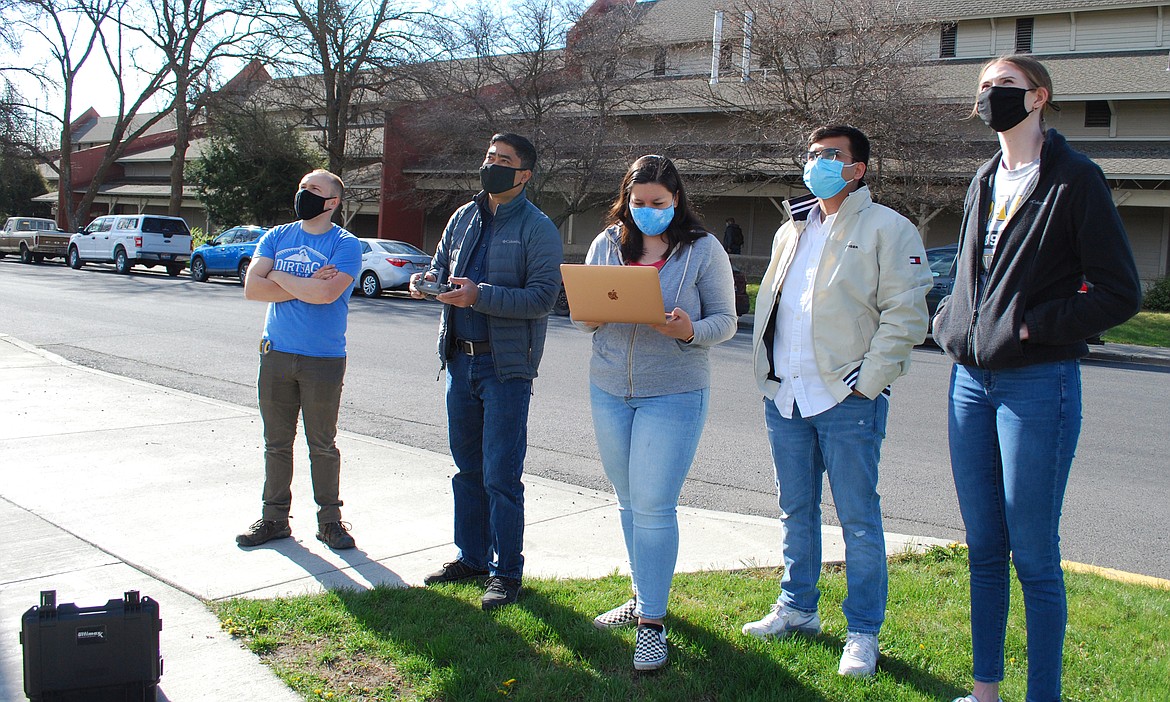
(109, 484)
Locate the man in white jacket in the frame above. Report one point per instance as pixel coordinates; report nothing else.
(840, 307)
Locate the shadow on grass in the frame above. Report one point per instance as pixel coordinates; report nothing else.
(447, 648)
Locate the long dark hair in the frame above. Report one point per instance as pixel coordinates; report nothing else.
(683, 229)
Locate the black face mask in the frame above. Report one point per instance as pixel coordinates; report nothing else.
(308, 205)
(496, 179)
(1001, 107)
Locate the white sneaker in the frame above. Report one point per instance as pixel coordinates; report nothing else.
(781, 622)
(972, 698)
(860, 656)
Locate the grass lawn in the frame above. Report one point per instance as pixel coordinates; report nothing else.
(753, 289)
(1146, 329)
(436, 643)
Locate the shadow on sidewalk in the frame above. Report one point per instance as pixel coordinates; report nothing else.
(330, 577)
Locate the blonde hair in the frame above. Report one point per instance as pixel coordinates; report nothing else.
(1033, 71)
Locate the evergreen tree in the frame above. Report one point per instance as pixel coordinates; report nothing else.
(249, 171)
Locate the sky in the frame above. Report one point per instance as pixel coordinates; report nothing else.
(94, 87)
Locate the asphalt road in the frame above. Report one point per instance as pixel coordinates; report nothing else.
(200, 337)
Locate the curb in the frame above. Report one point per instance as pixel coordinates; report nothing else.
(1120, 576)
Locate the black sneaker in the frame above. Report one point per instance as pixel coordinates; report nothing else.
(500, 591)
(263, 531)
(650, 647)
(335, 535)
(453, 572)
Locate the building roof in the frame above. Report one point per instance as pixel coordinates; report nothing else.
(680, 21)
(100, 130)
(1135, 75)
(164, 153)
(129, 191)
(965, 9)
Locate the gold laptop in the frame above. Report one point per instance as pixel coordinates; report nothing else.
(628, 294)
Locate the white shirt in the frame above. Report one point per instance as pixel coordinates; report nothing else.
(793, 350)
(1008, 190)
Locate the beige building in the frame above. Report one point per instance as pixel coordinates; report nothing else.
(1110, 62)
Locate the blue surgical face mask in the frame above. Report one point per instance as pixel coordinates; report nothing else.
(823, 177)
(651, 220)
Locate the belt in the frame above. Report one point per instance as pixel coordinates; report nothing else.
(472, 348)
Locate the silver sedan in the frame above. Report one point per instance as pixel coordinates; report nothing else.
(387, 265)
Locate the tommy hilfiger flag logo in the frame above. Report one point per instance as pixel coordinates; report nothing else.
(915, 260)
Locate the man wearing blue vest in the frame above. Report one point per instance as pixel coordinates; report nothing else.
(305, 271)
(502, 255)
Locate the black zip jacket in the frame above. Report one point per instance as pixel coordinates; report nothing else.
(1067, 231)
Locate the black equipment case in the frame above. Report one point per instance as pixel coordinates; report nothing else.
(103, 653)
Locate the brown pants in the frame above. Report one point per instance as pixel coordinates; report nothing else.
(289, 385)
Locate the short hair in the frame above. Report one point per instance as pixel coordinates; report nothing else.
(338, 184)
(1034, 72)
(858, 141)
(524, 148)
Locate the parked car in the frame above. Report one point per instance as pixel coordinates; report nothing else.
(130, 240)
(942, 266)
(387, 265)
(33, 238)
(228, 254)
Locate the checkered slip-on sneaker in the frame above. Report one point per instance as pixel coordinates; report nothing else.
(622, 615)
(650, 647)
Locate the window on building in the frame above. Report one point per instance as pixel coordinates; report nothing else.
(946, 42)
(827, 51)
(1024, 27)
(1098, 114)
(660, 62)
(726, 56)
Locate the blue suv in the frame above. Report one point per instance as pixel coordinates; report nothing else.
(227, 254)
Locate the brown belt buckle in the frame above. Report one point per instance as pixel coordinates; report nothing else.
(265, 347)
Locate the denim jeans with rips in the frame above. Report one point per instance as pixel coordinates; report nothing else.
(844, 442)
(487, 426)
(1012, 437)
(647, 445)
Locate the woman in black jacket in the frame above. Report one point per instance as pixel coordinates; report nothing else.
(1039, 222)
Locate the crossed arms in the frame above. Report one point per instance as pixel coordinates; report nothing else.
(266, 285)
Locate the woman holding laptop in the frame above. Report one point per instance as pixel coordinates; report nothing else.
(649, 383)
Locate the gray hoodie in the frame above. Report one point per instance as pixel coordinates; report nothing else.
(634, 360)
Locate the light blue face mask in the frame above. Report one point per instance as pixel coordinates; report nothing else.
(823, 177)
(651, 220)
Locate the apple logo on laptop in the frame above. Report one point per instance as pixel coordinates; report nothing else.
(613, 294)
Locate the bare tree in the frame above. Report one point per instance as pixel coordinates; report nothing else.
(75, 31)
(193, 37)
(817, 62)
(347, 48)
(548, 69)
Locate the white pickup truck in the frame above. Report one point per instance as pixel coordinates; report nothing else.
(33, 238)
(130, 240)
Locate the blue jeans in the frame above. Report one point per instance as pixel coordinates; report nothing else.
(487, 426)
(844, 441)
(647, 445)
(1012, 435)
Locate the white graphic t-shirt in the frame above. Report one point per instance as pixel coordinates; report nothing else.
(1008, 190)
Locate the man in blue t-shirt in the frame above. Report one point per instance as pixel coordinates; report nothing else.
(305, 271)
